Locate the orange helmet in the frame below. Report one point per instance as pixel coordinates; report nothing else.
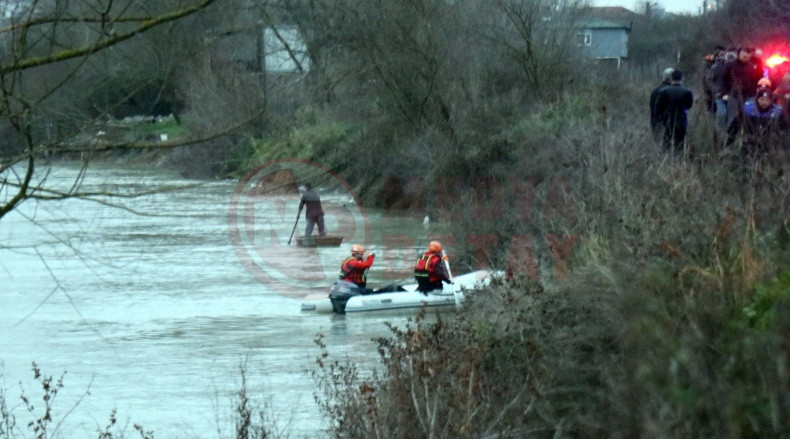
(764, 82)
(435, 247)
(357, 249)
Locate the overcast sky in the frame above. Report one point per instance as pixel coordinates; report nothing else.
(674, 6)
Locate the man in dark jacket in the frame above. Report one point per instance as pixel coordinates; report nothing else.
(654, 125)
(719, 87)
(314, 214)
(672, 104)
(739, 84)
(714, 80)
(712, 63)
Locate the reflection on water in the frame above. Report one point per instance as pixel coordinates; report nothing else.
(154, 313)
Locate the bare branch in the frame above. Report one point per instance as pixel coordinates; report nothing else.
(64, 55)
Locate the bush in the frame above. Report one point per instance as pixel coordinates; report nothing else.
(672, 322)
(43, 422)
(40, 419)
(770, 296)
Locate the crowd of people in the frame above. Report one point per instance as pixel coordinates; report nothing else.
(744, 96)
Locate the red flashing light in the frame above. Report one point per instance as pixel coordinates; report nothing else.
(775, 60)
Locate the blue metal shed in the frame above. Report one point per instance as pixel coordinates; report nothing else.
(602, 39)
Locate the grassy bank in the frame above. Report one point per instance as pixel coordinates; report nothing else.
(673, 320)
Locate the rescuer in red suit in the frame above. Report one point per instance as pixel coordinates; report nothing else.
(429, 270)
(354, 268)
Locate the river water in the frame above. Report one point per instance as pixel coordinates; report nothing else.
(149, 311)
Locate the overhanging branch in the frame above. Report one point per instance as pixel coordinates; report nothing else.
(67, 54)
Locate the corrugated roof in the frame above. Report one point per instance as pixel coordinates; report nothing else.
(618, 14)
(613, 14)
(599, 23)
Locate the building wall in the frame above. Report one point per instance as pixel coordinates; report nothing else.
(604, 43)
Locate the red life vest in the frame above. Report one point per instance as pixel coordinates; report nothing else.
(351, 274)
(426, 267)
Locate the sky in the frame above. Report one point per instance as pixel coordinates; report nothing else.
(672, 6)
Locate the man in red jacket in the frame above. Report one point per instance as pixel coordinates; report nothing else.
(354, 269)
(429, 270)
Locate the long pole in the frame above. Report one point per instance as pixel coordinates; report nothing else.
(298, 214)
(447, 266)
(457, 291)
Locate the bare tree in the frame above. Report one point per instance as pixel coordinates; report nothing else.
(537, 36)
(47, 47)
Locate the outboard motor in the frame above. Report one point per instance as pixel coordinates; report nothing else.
(339, 294)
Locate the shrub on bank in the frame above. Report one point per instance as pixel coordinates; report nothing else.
(673, 321)
(40, 417)
(629, 358)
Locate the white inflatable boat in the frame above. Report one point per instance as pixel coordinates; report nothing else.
(451, 295)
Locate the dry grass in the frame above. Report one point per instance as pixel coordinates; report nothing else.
(647, 337)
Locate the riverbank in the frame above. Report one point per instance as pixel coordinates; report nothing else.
(671, 317)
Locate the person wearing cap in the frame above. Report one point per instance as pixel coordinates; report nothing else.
(654, 125)
(429, 270)
(314, 215)
(355, 268)
(764, 82)
(672, 105)
(762, 121)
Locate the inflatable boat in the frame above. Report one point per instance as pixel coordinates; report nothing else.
(347, 297)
